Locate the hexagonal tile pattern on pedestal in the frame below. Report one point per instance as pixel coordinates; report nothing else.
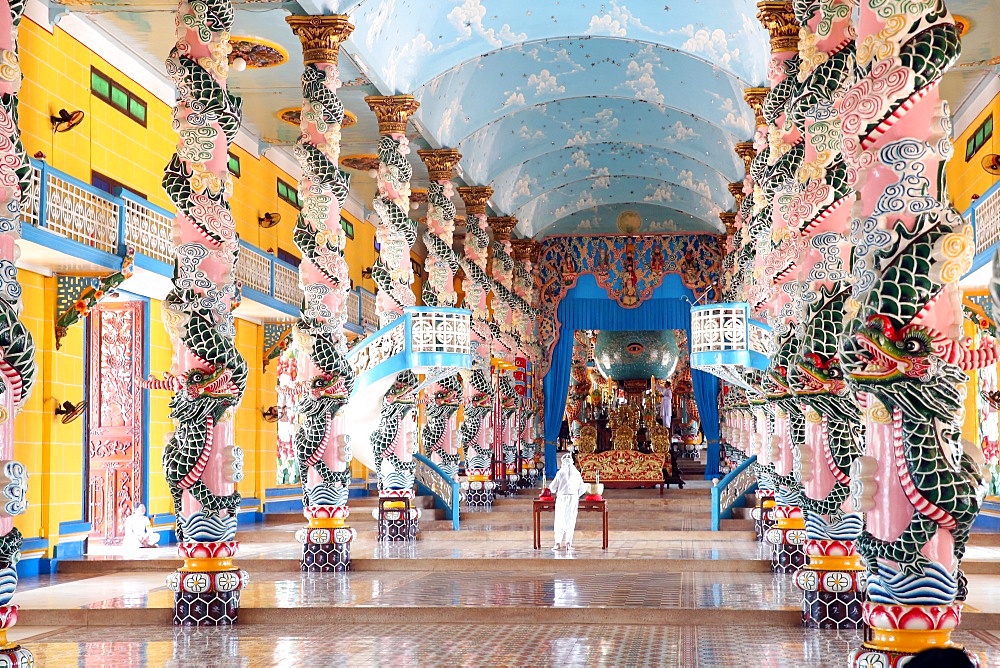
(207, 609)
(829, 610)
(395, 530)
(787, 558)
(479, 499)
(326, 557)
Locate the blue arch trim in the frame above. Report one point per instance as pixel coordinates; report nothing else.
(587, 306)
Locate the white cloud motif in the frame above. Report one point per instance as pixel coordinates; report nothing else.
(522, 187)
(606, 25)
(516, 98)
(640, 79)
(680, 132)
(545, 82)
(686, 180)
(587, 224)
(525, 133)
(580, 159)
(713, 44)
(733, 117)
(468, 18)
(663, 193)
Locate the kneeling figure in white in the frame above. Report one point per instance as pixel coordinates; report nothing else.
(568, 486)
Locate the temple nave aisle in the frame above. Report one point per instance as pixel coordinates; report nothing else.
(678, 595)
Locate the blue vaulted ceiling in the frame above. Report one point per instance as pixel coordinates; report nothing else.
(572, 111)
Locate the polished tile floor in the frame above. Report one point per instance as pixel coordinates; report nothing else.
(646, 610)
(459, 645)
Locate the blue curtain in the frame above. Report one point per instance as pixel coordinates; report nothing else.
(587, 306)
(706, 396)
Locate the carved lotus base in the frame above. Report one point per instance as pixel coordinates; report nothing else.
(899, 631)
(326, 557)
(832, 610)
(214, 608)
(479, 499)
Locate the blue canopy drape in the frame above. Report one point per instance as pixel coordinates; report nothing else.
(587, 306)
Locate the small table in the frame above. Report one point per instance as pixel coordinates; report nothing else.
(539, 506)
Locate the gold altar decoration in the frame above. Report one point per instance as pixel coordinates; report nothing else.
(586, 443)
(623, 438)
(622, 466)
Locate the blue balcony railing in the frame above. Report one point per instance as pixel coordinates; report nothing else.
(984, 215)
(103, 226)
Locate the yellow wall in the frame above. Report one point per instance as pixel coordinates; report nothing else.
(56, 71)
(966, 179)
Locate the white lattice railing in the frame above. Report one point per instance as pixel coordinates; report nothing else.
(32, 198)
(77, 211)
(368, 316)
(719, 329)
(148, 230)
(440, 332)
(286, 284)
(354, 308)
(254, 269)
(985, 215)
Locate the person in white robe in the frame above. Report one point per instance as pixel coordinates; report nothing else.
(138, 530)
(667, 406)
(568, 487)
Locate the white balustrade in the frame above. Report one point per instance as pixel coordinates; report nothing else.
(73, 211)
(286, 284)
(253, 269)
(354, 308)
(987, 221)
(440, 332)
(149, 231)
(32, 197)
(719, 329)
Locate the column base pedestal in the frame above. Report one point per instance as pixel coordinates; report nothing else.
(478, 495)
(787, 550)
(762, 522)
(325, 557)
(397, 529)
(832, 610)
(16, 657)
(864, 657)
(213, 608)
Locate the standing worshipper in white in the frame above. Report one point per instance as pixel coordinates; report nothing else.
(568, 486)
(667, 406)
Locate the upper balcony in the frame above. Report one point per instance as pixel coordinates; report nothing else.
(72, 227)
(984, 215)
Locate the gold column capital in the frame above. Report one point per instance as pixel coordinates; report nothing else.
(755, 98)
(736, 190)
(392, 112)
(321, 36)
(525, 250)
(475, 198)
(440, 162)
(502, 226)
(778, 18)
(747, 153)
(729, 220)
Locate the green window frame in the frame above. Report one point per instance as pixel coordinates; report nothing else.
(234, 164)
(289, 193)
(348, 228)
(979, 138)
(118, 96)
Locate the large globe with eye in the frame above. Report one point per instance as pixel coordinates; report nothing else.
(636, 355)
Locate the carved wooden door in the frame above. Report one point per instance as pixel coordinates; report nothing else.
(114, 416)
